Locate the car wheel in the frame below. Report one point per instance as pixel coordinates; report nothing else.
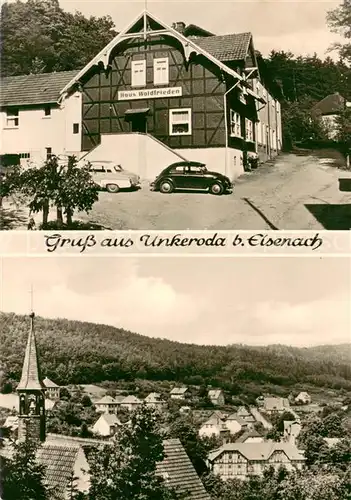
(166, 187)
(217, 188)
(112, 188)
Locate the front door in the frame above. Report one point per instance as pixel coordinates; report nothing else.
(138, 123)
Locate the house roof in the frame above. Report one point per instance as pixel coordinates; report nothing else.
(215, 420)
(191, 46)
(59, 461)
(235, 416)
(276, 403)
(31, 378)
(110, 419)
(303, 395)
(34, 89)
(332, 103)
(106, 400)
(131, 400)
(252, 433)
(178, 471)
(225, 48)
(153, 397)
(49, 383)
(214, 393)
(259, 451)
(176, 467)
(178, 390)
(194, 31)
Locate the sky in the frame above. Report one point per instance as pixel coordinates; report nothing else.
(298, 26)
(257, 301)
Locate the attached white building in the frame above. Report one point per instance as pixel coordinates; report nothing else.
(32, 122)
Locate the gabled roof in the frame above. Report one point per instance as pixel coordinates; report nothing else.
(146, 18)
(59, 462)
(225, 48)
(252, 433)
(332, 103)
(106, 400)
(178, 471)
(214, 393)
(235, 416)
(179, 390)
(214, 420)
(276, 403)
(154, 397)
(50, 384)
(242, 411)
(259, 451)
(131, 400)
(110, 419)
(196, 31)
(31, 378)
(34, 89)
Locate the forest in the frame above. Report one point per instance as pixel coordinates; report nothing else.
(55, 40)
(74, 352)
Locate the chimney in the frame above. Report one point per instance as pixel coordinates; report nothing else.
(179, 26)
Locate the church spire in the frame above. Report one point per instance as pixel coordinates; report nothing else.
(31, 392)
(31, 379)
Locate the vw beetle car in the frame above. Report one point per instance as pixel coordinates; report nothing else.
(112, 177)
(191, 175)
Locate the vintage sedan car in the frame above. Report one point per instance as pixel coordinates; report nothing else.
(191, 175)
(112, 177)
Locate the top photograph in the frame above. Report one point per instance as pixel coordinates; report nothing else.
(175, 115)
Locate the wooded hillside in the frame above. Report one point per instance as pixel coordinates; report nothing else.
(79, 352)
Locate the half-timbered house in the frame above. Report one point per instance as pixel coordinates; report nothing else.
(156, 94)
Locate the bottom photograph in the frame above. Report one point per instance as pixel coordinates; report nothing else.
(175, 378)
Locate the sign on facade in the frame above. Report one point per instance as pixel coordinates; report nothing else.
(126, 95)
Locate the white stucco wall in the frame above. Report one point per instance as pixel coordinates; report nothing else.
(214, 159)
(36, 132)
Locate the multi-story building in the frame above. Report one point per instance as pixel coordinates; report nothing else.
(154, 95)
(241, 460)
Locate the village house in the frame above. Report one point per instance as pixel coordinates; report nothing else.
(235, 423)
(52, 389)
(216, 397)
(250, 436)
(214, 426)
(171, 93)
(106, 425)
(107, 404)
(291, 431)
(328, 110)
(130, 403)
(33, 123)
(243, 413)
(241, 460)
(303, 398)
(64, 457)
(179, 393)
(153, 400)
(274, 406)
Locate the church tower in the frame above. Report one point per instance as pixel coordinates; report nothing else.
(31, 393)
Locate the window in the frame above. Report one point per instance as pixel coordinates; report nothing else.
(235, 123)
(76, 128)
(180, 121)
(161, 71)
(180, 170)
(25, 156)
(12, 119)
(47, 111)
(249, 130)
(48, 153)
(259, 133)
(139, 73)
